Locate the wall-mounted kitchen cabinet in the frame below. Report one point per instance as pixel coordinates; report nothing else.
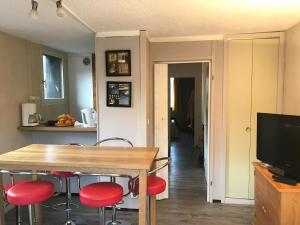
(252, 84)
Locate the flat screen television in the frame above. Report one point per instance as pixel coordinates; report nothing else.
(278, 143)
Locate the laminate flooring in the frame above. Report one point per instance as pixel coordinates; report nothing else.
(186, 204)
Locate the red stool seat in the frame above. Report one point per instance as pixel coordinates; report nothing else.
(7, 186)
(62, 173)
(29, 193)
(155, 185)
(102, 194)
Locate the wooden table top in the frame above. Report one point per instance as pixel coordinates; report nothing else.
(78, 158)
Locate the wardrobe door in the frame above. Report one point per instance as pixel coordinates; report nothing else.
(264, 89)
(238, 109)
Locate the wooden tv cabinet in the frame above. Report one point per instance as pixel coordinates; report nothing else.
(275, 203)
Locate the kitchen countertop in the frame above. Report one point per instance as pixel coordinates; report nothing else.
(44, 128)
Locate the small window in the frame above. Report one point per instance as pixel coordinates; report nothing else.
(53, 77)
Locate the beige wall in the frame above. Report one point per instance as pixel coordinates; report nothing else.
(180, 51)
(195, 51)
(129, 123)
(217, 144)
(14, 91)
(124, 122)
(291, 93)
(35, 72)
(145, 112)
(21, 76)
(80, 84)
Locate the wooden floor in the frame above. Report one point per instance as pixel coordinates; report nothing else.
(186, 205)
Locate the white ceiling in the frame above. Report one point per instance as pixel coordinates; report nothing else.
(162, 18)
(65, 34)
(169, 18)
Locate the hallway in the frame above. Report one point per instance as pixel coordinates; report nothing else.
(186, 174)
(187, 203)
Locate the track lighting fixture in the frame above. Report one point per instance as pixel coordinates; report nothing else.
(59, 9)
(33, 14)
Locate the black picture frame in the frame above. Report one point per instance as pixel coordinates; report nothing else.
(118, 63)
(118, 94)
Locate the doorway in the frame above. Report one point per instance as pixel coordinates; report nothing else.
(181, 110)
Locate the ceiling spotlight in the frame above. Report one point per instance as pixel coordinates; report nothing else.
(33, 14)
(59, 9)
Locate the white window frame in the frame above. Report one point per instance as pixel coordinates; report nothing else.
(50, 52)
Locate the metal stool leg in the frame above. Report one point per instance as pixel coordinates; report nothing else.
(18, 215)
(114, 220)
(67, 205)
(113, 217)
(103, 216)
(148, 210)
(30, 210)
(68, 200)
(101, 212)
(31, 215)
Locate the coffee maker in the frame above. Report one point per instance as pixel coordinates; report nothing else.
(29, 116)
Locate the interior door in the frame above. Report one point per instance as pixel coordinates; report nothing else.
(204, 114)
(161, 118)
(238, 117)
(264, 89)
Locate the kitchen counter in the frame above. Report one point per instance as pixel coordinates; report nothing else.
(43, 134)
(44, 128)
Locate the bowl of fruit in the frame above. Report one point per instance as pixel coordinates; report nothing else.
(65, 120)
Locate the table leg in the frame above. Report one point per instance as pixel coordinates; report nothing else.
(153, 209)
(142, 197)
(2, 214)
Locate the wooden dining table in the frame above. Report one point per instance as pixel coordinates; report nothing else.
(135, 161)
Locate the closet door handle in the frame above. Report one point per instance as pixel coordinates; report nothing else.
(248, 129)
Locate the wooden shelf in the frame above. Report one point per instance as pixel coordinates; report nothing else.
(280, 187)
(44, 128)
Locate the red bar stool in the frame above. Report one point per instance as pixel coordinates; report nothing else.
(68, 204)
(13, 183)
(6, 187)
(155, 184)
(29, 193)
(100, 195)
(117, 141)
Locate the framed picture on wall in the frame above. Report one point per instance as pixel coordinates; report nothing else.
(118, 63)
(118, 94)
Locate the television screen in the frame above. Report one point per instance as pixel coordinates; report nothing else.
(278, 142)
